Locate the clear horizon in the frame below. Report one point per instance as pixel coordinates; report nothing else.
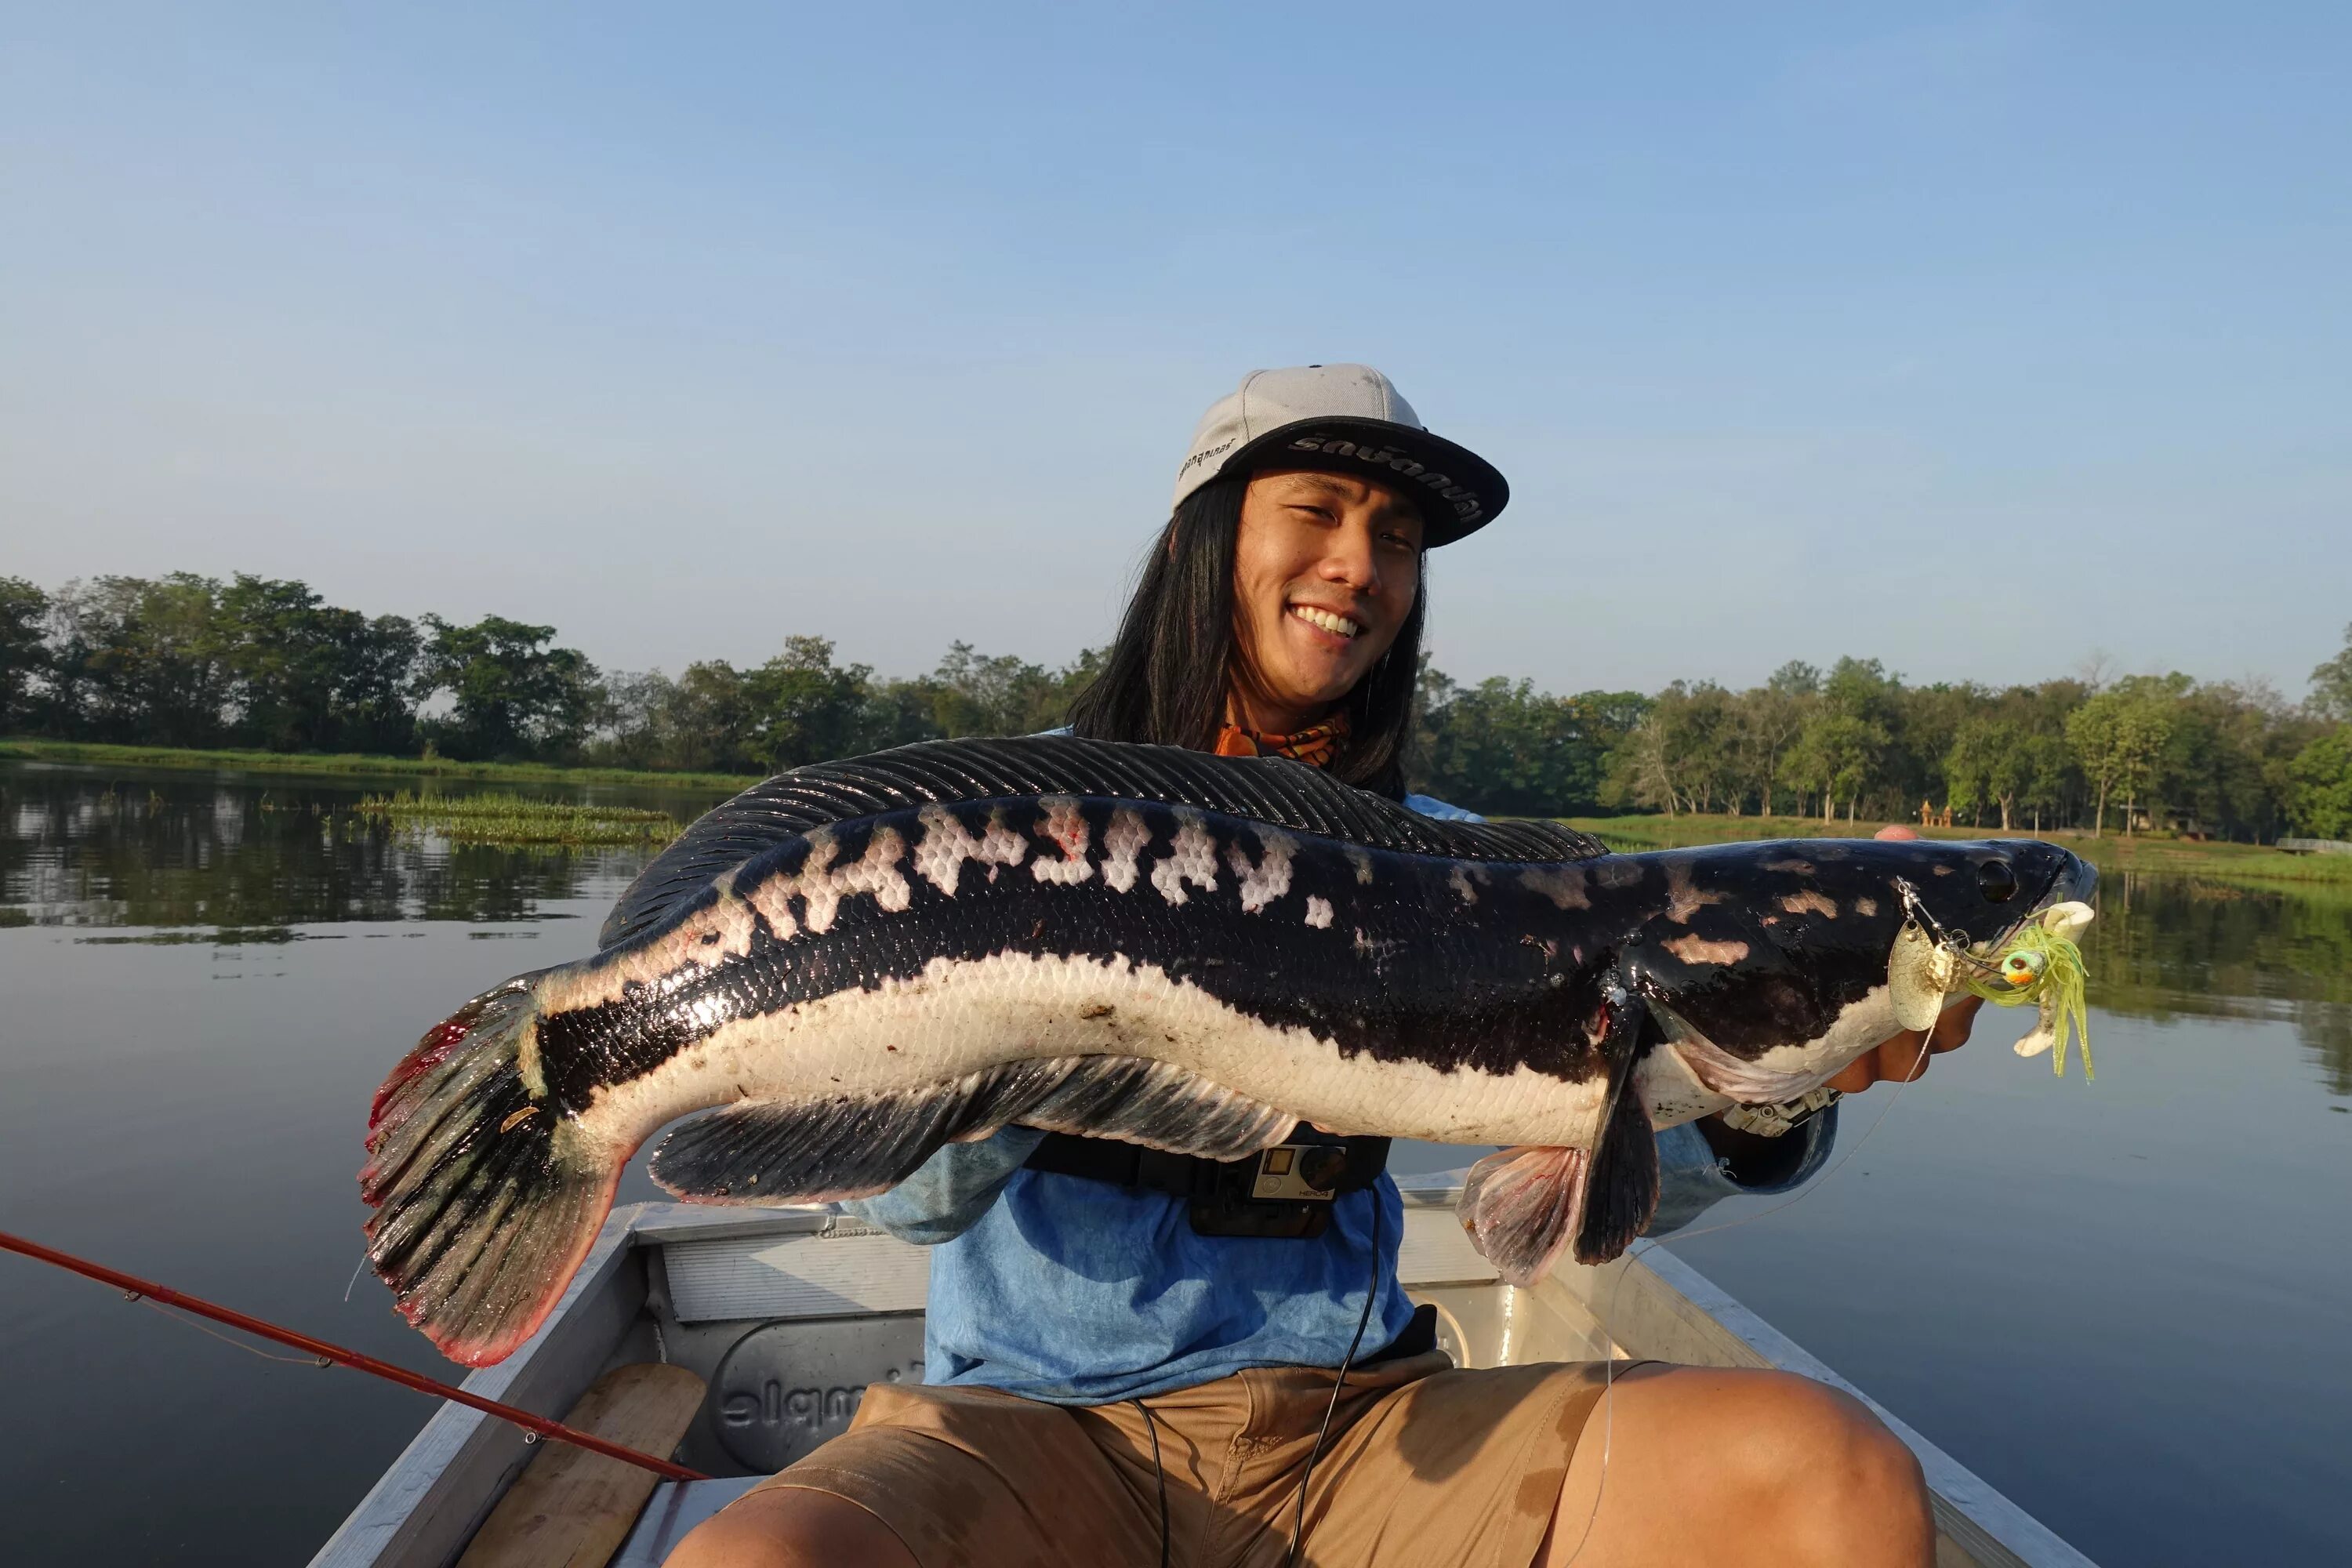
(1974, 344)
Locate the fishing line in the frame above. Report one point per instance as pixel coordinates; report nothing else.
(353, 1283)
(1307, 1474)
(1917, 1069)
(162, 1310)
(1160, 1473)
(1645, 1246)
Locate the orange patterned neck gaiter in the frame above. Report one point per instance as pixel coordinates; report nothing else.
(1316, 745)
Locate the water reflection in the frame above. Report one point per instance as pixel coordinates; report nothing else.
(249, 855)
(2166, 948)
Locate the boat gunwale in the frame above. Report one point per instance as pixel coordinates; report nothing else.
(1651, 1302)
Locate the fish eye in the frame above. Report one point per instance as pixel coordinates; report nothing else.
(1998, 880)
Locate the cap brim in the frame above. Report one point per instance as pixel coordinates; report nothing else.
(1456, 491)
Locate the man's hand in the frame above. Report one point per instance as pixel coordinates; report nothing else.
(1905, 1057)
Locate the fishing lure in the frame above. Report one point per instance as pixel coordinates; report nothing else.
(2043, 965)
(2040, 963)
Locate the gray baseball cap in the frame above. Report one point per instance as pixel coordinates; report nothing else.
(1349, 419)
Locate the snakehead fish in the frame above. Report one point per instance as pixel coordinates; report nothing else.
(859, 961)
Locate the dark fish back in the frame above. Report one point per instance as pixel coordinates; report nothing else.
(1266, 789)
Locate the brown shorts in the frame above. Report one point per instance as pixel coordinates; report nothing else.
(1426, 1464)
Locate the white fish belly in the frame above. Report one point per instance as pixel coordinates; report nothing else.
(1781, 1073)
(959, 1017)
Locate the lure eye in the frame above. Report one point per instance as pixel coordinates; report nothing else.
(1998, 880)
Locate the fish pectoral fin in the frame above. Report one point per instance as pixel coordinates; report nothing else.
(1621, 1182)
(1525, 1207)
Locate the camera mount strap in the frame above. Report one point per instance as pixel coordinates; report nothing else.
(1285, 1191)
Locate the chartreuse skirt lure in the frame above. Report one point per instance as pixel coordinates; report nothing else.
(2041, 963)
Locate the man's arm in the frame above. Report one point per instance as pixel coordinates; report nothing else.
(1701, 1162)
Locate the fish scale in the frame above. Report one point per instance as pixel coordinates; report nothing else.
(854, 966)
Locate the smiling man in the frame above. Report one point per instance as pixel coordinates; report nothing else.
(1134, 1359)
(1326, 569)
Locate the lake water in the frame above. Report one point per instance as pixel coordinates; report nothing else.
(2123, 1303)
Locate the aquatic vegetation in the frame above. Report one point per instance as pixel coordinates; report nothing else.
(513, 819)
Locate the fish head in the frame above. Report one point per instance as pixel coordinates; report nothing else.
(1776, 963)
(1980, 891)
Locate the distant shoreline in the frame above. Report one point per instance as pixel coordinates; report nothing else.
(354, 763)
(2247, 865)
(2244, 865)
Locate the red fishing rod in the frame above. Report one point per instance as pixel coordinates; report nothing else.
(555, 1430)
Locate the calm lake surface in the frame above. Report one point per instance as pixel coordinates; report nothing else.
(2123, 1303)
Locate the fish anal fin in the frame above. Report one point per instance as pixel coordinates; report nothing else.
(1523, 1206)
(849, 1146)
(774, 1151)
(1160, 1106)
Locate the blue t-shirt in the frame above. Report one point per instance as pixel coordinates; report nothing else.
(1079, 1292)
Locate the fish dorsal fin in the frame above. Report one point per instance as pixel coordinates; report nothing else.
(1267, 789)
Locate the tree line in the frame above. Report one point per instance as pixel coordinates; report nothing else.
(189, 660)
(2216, 759)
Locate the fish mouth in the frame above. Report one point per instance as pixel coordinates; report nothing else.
(2078, 884)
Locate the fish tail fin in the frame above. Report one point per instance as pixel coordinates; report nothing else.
(486, 1197)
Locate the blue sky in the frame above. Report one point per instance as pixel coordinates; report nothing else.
(1973, 338)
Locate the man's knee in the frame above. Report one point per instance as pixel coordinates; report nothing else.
(1762, 1466)
(791, 1527)
(1839, 1485)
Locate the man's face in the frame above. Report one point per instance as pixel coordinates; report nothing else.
(1325, 570)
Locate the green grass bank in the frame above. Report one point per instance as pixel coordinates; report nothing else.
(2250, 865)
(354, 763)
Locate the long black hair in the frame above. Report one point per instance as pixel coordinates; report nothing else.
(1168, 669)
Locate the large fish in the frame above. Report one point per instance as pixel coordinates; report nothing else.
(861, 960)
